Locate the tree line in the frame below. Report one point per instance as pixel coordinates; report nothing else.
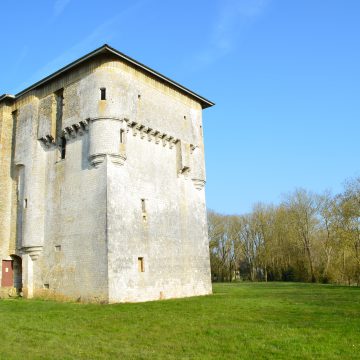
(307, 237)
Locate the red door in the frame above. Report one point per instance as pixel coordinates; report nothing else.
(7, 273)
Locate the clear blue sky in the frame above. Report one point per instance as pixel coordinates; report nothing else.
(285, 77)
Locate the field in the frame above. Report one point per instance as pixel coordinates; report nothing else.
(240, 321)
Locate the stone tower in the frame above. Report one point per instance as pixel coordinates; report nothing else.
(102, 185)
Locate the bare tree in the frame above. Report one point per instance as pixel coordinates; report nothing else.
(303, 207)
(307, 237)
(264, 227)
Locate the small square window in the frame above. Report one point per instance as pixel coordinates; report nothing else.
(57, 248)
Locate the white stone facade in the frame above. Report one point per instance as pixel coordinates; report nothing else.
(103, 199)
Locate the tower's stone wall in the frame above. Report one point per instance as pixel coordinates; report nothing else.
(104, 199)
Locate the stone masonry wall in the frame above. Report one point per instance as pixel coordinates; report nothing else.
(171, 236)
(6, 131)
(131, 186)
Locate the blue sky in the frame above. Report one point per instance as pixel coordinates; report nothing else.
(285, 77)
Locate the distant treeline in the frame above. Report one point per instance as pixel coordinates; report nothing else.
(307, 237)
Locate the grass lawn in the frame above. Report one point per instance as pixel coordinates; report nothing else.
(240, 321)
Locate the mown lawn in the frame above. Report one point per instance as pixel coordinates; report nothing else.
(240, 321)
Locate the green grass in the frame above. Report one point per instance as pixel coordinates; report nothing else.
(240, 321)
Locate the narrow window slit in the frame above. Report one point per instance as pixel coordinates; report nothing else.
(143, 206)
(141, 267)
(62, 148)
(143, 209)
(103, 93)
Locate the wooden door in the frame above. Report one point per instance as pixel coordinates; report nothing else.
(7, 273)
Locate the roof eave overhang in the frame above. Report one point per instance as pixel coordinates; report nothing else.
(7, 97)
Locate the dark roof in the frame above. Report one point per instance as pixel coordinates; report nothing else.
(6, 96)
(108, 49)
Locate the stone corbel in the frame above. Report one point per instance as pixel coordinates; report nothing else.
(78, 129)
(152, 135)
(118, 159)
(72, 131)
(143, 133)
(48, 140)
(97, 159)
(149, 134)
(134, 127)
(157, 137)
(169, 139)
(184, 170)
(199, 183)
(82, 127)
(85, 124)
(166, 140)
(163, 139)
(33, 251)
(66, 133)
(172, 142)
(139, 128)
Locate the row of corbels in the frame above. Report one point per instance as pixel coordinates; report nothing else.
(151, 134)
(68, 132)
(48, 140)
(137, 129)
(76, 129)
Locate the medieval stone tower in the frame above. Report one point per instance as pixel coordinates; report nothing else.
(102, 185)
